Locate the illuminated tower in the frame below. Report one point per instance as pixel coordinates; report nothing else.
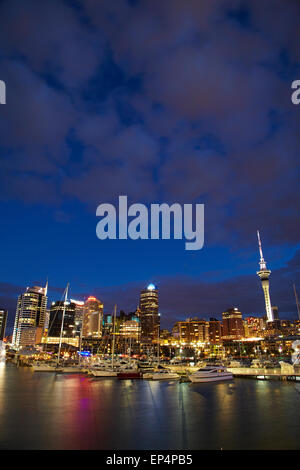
(264, 275)
(149, 317)
(30, 315)
(92, 318)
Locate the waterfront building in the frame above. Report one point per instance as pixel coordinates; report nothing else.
(252, 327)
(30, 314)
(3, 320)
(79, 312)
(130, 329)
(264, 275)
(175, 331)
(165, 334)
(193, 331)
(149, 317)
(215, 331)
(69, 335)
(233, 327)
(47, 318)
(92, 318)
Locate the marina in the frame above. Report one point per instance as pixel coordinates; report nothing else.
(77, 411)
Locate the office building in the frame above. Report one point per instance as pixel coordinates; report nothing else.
(58, 310)
(233, 327)
(192, 331)
(215, 331)
(149, 318)
(92, 318)
(30, 314)
(3, 320)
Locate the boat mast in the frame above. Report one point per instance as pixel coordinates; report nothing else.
(113, 342)
(297, 301)
(158, 351)
(80, 342)
(62, 323)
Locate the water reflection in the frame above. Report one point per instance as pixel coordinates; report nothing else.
(48, 411)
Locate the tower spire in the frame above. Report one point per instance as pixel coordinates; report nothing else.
(262, 262)
(264, 275)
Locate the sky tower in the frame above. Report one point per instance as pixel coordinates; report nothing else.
(264, 275)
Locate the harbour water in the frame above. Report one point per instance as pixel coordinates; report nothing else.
(56, 411)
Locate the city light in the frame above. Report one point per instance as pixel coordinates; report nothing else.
(151, 287)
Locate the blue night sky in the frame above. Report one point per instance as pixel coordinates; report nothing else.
(167, 101)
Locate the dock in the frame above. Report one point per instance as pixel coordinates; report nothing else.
(264, 374)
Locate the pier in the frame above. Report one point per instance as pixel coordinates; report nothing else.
(264, 373)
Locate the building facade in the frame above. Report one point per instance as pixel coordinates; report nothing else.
(233, 327)
(92, 318)
(193, 331)
(3, 320)
(149, 318)
(69, 334)
(215, 331)
(30, 314)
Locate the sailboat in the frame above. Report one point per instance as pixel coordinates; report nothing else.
(108, 371)
(129, 371)
(55, 367)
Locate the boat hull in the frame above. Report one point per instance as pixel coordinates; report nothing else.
(104, 373)
(46, 369)
(210, 379)
(165, 377)
(129, 375)
(71, 370)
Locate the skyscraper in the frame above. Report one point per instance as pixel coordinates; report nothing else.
(92, 318)
(214, 331)
(264, 275)
(149, 317)
(3, 318)
(233, 327)
(30, 314)
(55, 321)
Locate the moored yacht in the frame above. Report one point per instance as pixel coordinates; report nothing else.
(105, 372)
(211, 374)
(165, 374)
(50, 367)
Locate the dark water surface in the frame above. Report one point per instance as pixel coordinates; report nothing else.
(48, 411)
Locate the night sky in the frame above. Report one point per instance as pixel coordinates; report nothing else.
(163, 101)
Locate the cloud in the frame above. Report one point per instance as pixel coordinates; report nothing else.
(163, 101)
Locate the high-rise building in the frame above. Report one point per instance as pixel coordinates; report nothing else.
(215, 331)
(79, 312)
(233, 327)
(3, 319)
(30, 314)
(264, 275)
(149, 317)
(275, 313)
(69, 335)
(92, 318)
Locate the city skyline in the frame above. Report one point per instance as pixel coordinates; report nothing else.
(167, 322)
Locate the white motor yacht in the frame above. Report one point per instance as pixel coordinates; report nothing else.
(211, 374)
